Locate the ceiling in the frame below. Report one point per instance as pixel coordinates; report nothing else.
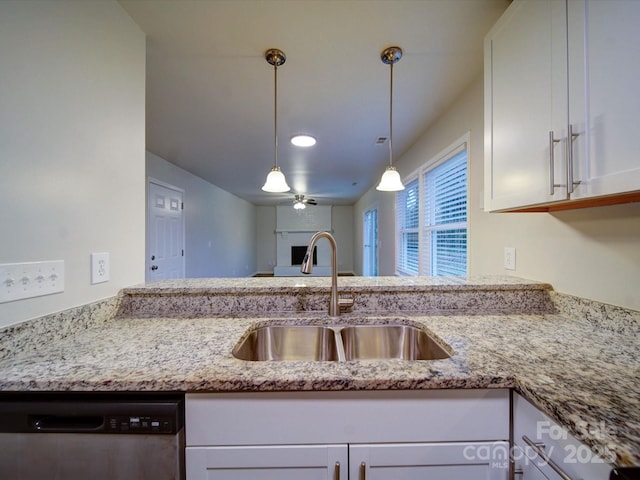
(210, 91)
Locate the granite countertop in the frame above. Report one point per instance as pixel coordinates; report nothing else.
(346, 284)
(565, 361)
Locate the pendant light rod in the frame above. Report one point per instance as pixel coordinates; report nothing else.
(391, 56)
(390, 181)
(391, 114)
(276, 181)
(275, 113)
(276, 58)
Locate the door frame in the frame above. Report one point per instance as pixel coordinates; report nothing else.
(147, 260)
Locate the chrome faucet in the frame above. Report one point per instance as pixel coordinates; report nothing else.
(335, 303)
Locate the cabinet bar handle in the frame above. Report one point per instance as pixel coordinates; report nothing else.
(363, 471)
(570, 138)
(336, 474)
(552, 162)
(538, 448)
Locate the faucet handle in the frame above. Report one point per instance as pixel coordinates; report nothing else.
(346, 303)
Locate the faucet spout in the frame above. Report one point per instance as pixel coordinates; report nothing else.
(307, 267)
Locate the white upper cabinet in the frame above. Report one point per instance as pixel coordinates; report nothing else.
(525, 99)
(560, 102)
(604, 98)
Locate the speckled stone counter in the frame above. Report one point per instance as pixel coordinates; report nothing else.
(579, 366)
(220, 297)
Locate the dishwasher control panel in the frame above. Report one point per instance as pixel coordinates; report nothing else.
(140, 424)
(95, 413)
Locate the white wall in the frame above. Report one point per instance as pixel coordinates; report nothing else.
(220, 228)
(266, 238)
(591, 253)
(342, 224)
(72, 80)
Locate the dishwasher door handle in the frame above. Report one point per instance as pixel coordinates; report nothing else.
(66, 423)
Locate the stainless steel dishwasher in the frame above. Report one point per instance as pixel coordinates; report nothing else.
(91, 436)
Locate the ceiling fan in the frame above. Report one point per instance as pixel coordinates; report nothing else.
(300, 202)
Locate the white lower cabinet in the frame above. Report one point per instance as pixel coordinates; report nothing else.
(543, 450)
(391, 435)
(268, 462)
(433, 461)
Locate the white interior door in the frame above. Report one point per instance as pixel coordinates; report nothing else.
(165, 232)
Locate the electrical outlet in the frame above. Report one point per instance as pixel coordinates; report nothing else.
(509, 258)
(30, 279)
(99, 268)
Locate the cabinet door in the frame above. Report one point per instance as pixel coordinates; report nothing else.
(604, 66)
(435, 461)
(292, 462)
(526, 98)
(573, 457)
(531, 472)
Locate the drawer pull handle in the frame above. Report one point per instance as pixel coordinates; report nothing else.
(538, 448)
(363, 471)
(337, 471)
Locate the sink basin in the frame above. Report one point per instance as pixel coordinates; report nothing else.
(338, 343)
(385, 342)
(287, 343)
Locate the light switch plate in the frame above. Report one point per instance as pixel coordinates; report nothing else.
(30, 279)
(100, 269)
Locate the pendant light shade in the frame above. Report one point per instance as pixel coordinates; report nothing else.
(276, 182)
(390, 181)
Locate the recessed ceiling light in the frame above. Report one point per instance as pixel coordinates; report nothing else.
(303, 140)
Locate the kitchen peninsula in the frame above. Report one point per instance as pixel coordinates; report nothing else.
(575, 360)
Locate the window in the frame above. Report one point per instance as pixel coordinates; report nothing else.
(432, 217)
(408, 217)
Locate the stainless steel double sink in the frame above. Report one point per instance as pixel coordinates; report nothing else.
(339, 343)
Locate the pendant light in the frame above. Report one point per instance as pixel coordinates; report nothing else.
(390, 181)
(275, 179)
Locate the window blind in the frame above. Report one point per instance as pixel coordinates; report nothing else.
(408, 218)
(445, 217)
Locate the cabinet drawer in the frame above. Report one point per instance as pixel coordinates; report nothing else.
(346, 417)
(273, 462)
(575, 458)
(433, 461)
